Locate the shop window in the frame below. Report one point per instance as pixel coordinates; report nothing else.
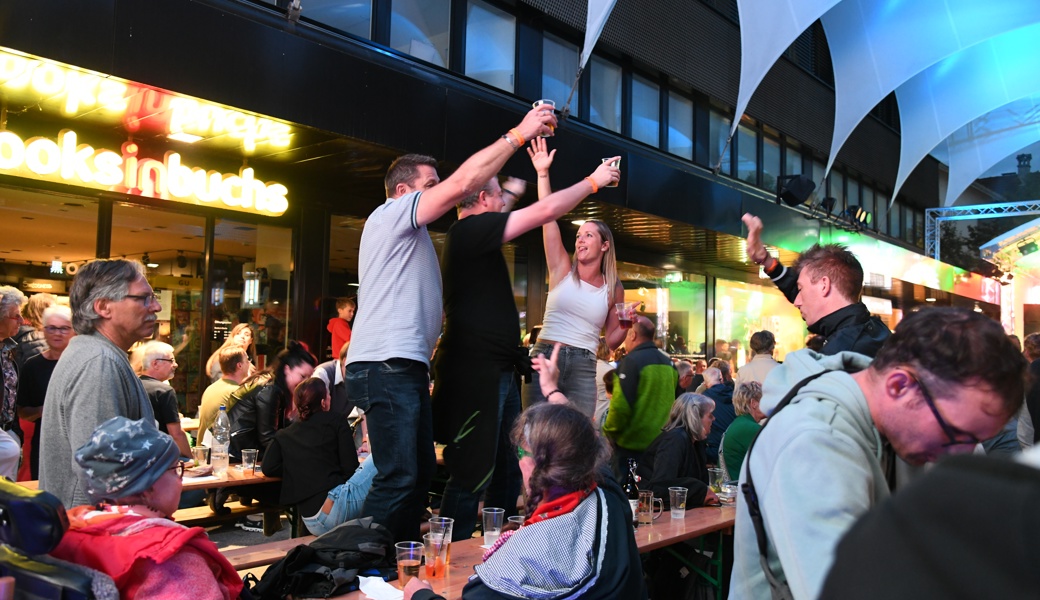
(559, 66)
(741, 309)
(490, 45)
(170, 244)
(837, 190)
(680, 125)
(747, 155)
(770, 162)
(46, 239)
(420, 28)
(605, 104)
(675, 301)
(252, 276)
(881, 216)
(354, 17)
(793, 163)
(646, 111)
(718, 132)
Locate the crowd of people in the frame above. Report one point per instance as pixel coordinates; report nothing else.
(818, 441)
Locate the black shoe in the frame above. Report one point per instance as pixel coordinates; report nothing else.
(215, 500)
(246, 525)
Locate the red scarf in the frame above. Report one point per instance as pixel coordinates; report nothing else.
(560, 505)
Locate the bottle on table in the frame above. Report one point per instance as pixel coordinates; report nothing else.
(631, 490)
(218, 454)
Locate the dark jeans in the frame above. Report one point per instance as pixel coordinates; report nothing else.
(395, 395)
(503, 487)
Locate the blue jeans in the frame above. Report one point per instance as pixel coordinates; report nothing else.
(347, 500)
(577, 378)
(395, 395)
(503, 487)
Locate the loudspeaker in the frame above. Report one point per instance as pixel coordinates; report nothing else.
(797, 190)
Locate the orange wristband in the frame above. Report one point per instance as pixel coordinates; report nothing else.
(519, 138)
(592, 182)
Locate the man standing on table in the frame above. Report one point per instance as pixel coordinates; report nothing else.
(400, 317)
(475, 396)
(112, 308)
(825, 286)
(944, 380)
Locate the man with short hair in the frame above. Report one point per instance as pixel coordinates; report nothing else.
(476, 399)
(400, 317)
(828, 456)
(763, 343)
(157, 367)
(825, 285)
(644, 390)
(234, 369)
(685, 370)
(112, 308)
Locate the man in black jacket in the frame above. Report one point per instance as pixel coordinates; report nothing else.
(824, 285)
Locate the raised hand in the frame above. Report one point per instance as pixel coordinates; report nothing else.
(540, 158)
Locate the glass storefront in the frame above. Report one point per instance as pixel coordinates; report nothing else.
(741, 309)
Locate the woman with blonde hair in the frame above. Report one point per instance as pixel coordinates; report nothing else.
(241, 335)
(30, 336)
(583, 290)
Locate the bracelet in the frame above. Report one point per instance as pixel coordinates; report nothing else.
(550, 394)
(510, 141)
(519, 138)
(595, 188)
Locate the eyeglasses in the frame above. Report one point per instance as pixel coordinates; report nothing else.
(521, 453)
(950, 431)
(179, 468)
(62, 330)
(14, 317)
(144, 298)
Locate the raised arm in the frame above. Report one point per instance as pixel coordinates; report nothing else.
(482, 166)
(556, 256)
(785, 279)
(559, 203)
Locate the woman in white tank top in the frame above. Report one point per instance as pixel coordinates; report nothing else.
(582, 294)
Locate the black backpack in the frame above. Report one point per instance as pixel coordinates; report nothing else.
(330, 565)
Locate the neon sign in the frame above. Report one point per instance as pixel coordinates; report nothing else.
(78, 92)
(64, 160)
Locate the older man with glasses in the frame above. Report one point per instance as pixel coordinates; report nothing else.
(113, 306)
(11, 301)
(946, 379)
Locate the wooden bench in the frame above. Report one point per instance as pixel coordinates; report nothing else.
(260, 555)
(202, 516)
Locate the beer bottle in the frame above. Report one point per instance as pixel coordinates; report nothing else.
(632, 491)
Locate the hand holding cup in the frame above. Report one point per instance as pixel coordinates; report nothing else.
(606, 173)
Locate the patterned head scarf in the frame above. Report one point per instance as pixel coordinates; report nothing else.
(124, 458)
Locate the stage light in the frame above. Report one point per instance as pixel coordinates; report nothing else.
(147, 260)
(1028, 246)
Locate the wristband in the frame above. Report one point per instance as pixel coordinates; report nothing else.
(550, 394)
(510, 141)
(519, 138)
(595, 188)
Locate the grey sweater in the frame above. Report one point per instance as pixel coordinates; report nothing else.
(92, 383)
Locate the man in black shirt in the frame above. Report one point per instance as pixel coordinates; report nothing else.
(475, 397)
(157, 366)
(825, 286)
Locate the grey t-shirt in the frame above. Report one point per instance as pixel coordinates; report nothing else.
(399, 297)
(92, 383)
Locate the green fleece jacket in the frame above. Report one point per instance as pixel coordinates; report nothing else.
(644, 390)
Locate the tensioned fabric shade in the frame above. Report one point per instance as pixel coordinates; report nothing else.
(767, 28)
(949, 94)
(877, 45)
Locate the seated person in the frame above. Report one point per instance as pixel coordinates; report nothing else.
(677, 457)
(318, 463)
(743, 429)
(132, 472)
(577, 539)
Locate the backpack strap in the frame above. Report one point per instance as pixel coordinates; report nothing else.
(780, 589)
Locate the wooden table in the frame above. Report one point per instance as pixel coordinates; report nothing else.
(235, 477)
(190, 424)
(467, 554)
